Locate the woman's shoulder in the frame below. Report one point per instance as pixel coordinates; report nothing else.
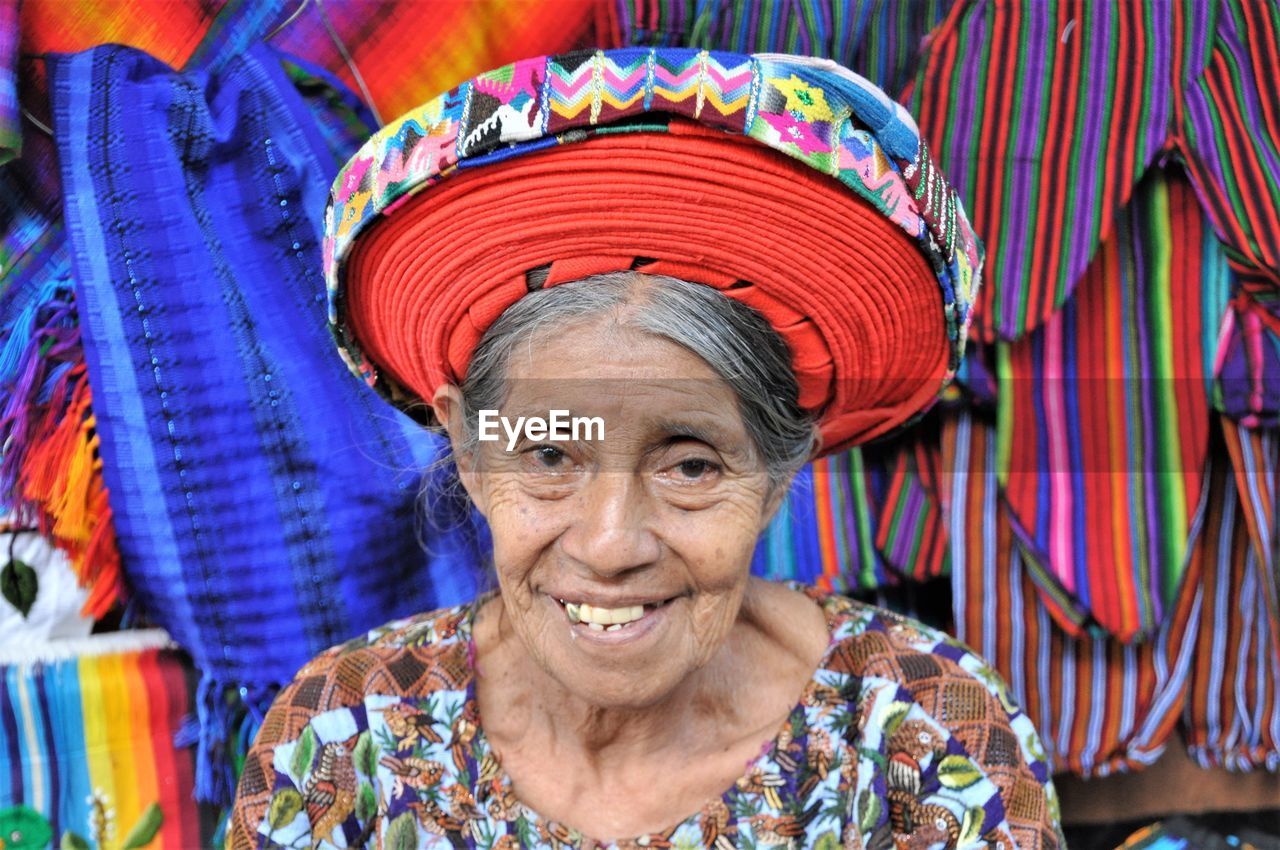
(426, 630)
(323, 725)
(950, 680)
(933, 707)
(411, 656)
(869, 641)
(404, 660)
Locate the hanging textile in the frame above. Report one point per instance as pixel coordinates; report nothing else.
(1232, 715)
(340, 35)
(264, 500)
(1049, 113)
(824, 531)
(86, 743)
(1103, 417)
(1101, 706)
(911, 532)
(879, 39)
(1255, 458)
(1229, 122)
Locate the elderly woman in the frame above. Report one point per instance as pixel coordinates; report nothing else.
(639, 289)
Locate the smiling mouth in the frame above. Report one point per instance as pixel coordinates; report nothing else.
(602, 619)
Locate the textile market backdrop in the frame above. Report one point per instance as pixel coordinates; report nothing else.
(1099, 492)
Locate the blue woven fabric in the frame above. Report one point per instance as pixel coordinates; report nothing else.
(264, 499)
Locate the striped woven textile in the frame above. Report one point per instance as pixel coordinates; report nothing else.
(879, 39)
(824, 532)
(86, 740)
(863, 520)
(1046, 142)
(1103, 417)
(911, 533)
(1257, 470)
(1230, 131)
(1232, 714)
(1102, 706)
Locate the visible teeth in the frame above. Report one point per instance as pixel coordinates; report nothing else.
(603, 616)
(595, 627)
(616, 627)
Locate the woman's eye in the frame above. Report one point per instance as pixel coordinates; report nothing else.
(695, 469)
(549, 457)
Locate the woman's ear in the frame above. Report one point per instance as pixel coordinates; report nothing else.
(448, 409)
(816, 451)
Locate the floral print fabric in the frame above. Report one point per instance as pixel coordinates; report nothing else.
(901, 739)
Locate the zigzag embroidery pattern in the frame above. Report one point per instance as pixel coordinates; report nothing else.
(614, 86)
(704, 78)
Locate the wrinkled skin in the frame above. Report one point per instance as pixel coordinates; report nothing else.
(620, 738)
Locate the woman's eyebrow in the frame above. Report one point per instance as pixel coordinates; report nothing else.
(706, 433)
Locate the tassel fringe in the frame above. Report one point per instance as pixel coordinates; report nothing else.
(50, 467)
(226, 721)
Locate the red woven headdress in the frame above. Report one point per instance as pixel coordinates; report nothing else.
(853, 267)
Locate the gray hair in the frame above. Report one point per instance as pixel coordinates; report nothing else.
(736, 342)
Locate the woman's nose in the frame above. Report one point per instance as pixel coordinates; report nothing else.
(612, 532)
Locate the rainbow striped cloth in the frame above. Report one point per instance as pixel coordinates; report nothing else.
(86, 740)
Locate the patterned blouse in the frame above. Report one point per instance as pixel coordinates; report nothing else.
(902, 740)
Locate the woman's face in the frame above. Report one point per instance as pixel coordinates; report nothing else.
(652, 526)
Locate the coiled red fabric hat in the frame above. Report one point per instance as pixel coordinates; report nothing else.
(785, 182)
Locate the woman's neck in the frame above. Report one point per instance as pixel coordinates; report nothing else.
(776, 642)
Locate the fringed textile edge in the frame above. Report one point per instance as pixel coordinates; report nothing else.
(226, 721)
(50, 467)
